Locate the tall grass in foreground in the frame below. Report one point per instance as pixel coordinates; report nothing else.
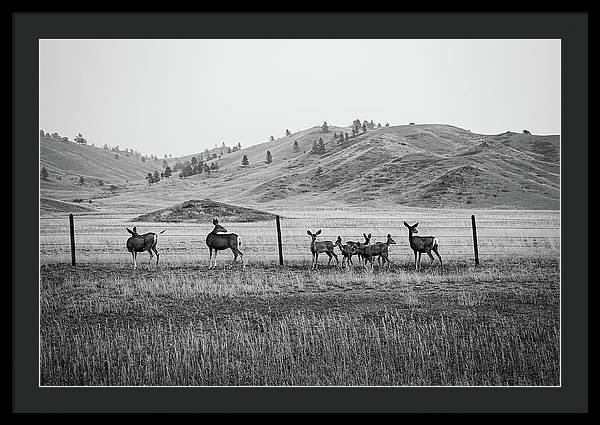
(334, 349)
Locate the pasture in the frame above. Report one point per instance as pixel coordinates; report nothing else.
(102, 323)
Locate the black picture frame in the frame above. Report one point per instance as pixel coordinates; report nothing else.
(570, 27)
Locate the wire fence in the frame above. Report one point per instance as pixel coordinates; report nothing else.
(103, 238)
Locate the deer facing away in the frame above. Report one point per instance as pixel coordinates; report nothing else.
(347, 249)
(317, 248)
(140, 243)
(420, 244)
(219, 240)
(358, 245)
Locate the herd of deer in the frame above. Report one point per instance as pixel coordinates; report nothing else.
(219, 240)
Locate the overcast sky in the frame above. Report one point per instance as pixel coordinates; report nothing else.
(181, 96)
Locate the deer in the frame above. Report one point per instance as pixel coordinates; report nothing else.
(379, 250)
(317, 248)
(420, 244)
(358, 245)
(347, 250)
(140, 243)
(219, 240)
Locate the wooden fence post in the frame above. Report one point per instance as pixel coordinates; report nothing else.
(279, 240)
(72, 239)
(475, 240)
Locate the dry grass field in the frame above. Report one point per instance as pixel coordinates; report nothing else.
(102, 323)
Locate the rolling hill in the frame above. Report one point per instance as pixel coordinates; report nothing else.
(422, 165)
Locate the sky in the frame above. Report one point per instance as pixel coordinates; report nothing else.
(179, 97)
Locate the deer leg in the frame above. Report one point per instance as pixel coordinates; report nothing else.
(336, 258)
(415, 260)
(210, 257)
(316, 260)
(215, 259)
(419, 261)
(430, 257)
(438, 255)
(157, 254)
(134, 254)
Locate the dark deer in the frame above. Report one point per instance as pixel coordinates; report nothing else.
(347, 250)
(140, 243)
(321, 247)
(219, 240)
(358, 245)
(379, 250)
(420, 244)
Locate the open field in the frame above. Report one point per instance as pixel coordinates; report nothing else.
(102, 323)
(493, 325)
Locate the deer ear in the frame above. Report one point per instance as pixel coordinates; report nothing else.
(308, 232)
(365, 235)
(406, 224)
(134, 229)
(416, 224)
(369, 236)
(129, 230)
(318, 232)
(389, 236)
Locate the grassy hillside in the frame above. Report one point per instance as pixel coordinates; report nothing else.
(423, 165)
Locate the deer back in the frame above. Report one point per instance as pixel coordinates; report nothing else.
(422, 243)
(222, 240)
(322, 246)
(141, 242)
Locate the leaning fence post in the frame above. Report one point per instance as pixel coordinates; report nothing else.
(475, 240)
(72, 239)
(279, 240)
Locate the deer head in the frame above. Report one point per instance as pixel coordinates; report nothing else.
(413, 228)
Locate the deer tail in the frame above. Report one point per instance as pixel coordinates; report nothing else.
(239, 240)
(162, 232)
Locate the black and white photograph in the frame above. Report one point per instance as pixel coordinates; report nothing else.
(247, 212)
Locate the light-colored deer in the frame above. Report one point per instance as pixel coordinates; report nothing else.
(317, 248)
(420, 244)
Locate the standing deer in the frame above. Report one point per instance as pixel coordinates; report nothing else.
(347, 250)
(317, 248)
(140, 243)
(358, 245)
(420, 244)
(219, 240)
(379, 250)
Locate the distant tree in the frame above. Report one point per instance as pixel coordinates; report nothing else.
(79, 139)
(239, 145)
(105, 146)
(271, 139)
(207, 153)
(335, 136)
(206, 169)
(156, 176)
(194, 160)
(42, 134)
(269, 158)
(150, 178)
(214, 155)
(214, 166)
(287, 132)
(347, 137)
(364, 127)
(318, 171)
(100, 182)
(44, 174)
(371, 125)
(165, 164)
(223, 145)
(296, 146)
(81, 180)
(387, 124)
(378, 125)
(162, 175)
(321, 146)
(143, 159)
(526, 132)
(325, 127)
(245, 160)
(116, 156)
(170, 156)
(356, 126)
(228, 149)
